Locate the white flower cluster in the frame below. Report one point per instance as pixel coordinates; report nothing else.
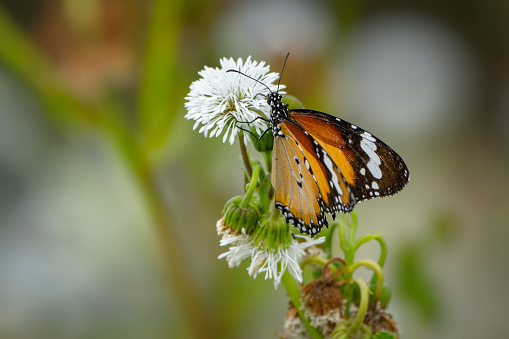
(273, 263)
(219, 100)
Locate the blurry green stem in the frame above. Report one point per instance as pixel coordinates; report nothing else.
(192, 308)
(359, 318)
(314, 260)
(24, 60)
(293, 291)
(371, 265)
(159, 96)
(383, 256)
(347, 241)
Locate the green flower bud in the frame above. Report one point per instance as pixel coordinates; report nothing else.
(292, 102)
(272, 233)
(237, 218)
(265, 144)
(385, 296)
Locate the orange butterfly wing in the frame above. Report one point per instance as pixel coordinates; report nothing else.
(371, 168)
(304, 188)
(322, 164)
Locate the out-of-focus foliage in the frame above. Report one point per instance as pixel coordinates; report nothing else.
(108, 199)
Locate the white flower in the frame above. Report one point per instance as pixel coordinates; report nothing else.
(220, 100)
(272, 262)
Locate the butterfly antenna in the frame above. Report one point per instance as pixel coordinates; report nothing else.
(282, 69)
(247, 76)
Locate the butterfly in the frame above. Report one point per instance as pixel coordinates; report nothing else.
(323, 164)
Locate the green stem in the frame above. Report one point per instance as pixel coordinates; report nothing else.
(371, 265)
(267, 158)
(245, 156)
(179, 277)
(314, 260)
(382, 258)
(252, 187)
(352, 231)
(293, 291)
(359, 318)
(263, 194)
(343, 243)
(160, 90)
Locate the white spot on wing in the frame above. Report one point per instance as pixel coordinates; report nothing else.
(368, 136)
(374, 162)
(330, 167)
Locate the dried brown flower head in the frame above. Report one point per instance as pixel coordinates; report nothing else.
(323, 295)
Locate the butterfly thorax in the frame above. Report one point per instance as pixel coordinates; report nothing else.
(279, 111)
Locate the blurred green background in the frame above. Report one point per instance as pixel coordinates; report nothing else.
(109, 199)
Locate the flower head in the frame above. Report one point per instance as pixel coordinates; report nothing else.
(220, 100)
(273, 262)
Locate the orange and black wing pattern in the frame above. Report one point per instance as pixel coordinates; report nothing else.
(322, 164)
(296, 175)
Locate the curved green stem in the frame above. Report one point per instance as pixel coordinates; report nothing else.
(383, 255)
(347, 243)
(359, 318)
(293, 291)
(252, 186)
(373, 266)
(353, 230)
(314, 260)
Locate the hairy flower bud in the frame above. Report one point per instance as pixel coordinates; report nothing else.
(237, 218)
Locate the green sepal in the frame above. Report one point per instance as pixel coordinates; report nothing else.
(272, 233)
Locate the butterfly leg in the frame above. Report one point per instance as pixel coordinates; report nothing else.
(250, 122)
(259, 138)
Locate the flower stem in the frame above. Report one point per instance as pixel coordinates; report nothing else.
(350, 255)
(267, 158)
(252, 186)
(371, 265)
(245, 156)
(359, 318)
(293, 291)
(179, 277)
(383, 256)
